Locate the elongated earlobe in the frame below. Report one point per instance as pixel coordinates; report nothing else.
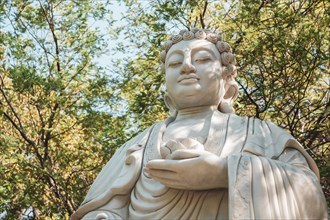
(231, 93)
(231, 90)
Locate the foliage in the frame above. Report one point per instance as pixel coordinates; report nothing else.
(54, 138)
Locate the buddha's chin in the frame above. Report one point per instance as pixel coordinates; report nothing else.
(188, 88)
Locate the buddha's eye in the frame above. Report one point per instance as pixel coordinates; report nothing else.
(202, 59)
(174, 63)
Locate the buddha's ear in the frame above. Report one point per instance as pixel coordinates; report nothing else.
(231, 93)
(169, 104)
(231, 90)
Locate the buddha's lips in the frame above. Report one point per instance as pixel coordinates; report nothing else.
(190, 76)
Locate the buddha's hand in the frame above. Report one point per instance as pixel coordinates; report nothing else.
(173, 145)
(190, 170)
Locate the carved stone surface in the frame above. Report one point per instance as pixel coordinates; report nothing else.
(204, 162)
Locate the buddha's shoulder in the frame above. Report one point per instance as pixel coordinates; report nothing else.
(141, 137)
(255, 123)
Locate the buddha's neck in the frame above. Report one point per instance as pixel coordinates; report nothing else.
(195, 112)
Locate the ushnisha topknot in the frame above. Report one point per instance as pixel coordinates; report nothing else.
(227, 57)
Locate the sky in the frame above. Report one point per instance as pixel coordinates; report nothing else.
(118, 11)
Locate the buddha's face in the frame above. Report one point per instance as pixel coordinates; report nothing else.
(193, 74)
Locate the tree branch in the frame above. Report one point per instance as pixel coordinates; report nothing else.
(50, 22)
(201, 16)
(250, 98)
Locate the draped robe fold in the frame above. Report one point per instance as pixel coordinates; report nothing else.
(270, 177)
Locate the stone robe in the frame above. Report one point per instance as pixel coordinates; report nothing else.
(270, 177)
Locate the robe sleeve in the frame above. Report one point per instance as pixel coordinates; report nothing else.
(114, 183)
(274, 178)
(263, 188)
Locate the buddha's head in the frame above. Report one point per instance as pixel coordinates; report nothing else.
(199, 71)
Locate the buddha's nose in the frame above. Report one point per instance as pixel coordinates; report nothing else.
(187, 67)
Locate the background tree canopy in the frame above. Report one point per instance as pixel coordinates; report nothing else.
(62, 114)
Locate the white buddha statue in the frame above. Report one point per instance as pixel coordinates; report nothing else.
(204, 162)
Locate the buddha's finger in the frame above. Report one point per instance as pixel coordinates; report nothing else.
(173, 145)
(162, 175)
(171, 165)
(169, 178)
(172, 184)
(176, 184)
(161, 164)
(164, 152)
(184, 154)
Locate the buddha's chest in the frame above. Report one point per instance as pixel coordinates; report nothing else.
(197, 130)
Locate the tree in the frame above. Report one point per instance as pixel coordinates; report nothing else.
(55, 136)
